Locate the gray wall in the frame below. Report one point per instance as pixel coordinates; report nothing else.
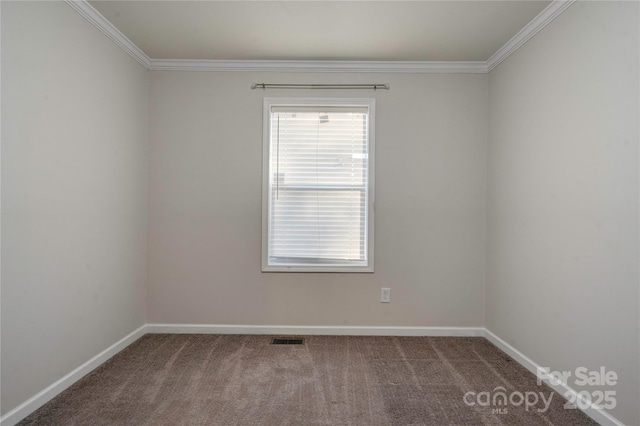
(74, 190)
(205, 205)
(562, 270)
(559, 120)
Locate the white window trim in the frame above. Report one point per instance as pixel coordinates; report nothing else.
(267, 103)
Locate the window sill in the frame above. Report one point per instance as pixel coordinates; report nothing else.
(318, 268)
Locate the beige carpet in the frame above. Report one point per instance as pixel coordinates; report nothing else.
(330, 380)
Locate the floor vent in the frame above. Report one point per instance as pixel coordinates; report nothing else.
(287, 341)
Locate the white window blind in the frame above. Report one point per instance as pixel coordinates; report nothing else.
(318, 186)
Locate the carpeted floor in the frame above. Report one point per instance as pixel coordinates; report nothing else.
(172, 379)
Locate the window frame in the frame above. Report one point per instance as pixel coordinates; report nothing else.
(268, 103)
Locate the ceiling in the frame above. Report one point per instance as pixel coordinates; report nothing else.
(320, 30)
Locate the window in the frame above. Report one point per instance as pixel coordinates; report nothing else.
(318, 185)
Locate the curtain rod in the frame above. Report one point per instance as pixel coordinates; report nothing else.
(384, 86)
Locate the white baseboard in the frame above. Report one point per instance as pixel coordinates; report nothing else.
(594, 411)
(23, 410)
(32, 404)
(315, 330)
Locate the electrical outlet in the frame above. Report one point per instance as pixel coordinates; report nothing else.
(385, 295)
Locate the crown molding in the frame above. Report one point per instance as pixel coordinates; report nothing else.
(551, 12)
(320, 66)
(100, 22)
(410, 67)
